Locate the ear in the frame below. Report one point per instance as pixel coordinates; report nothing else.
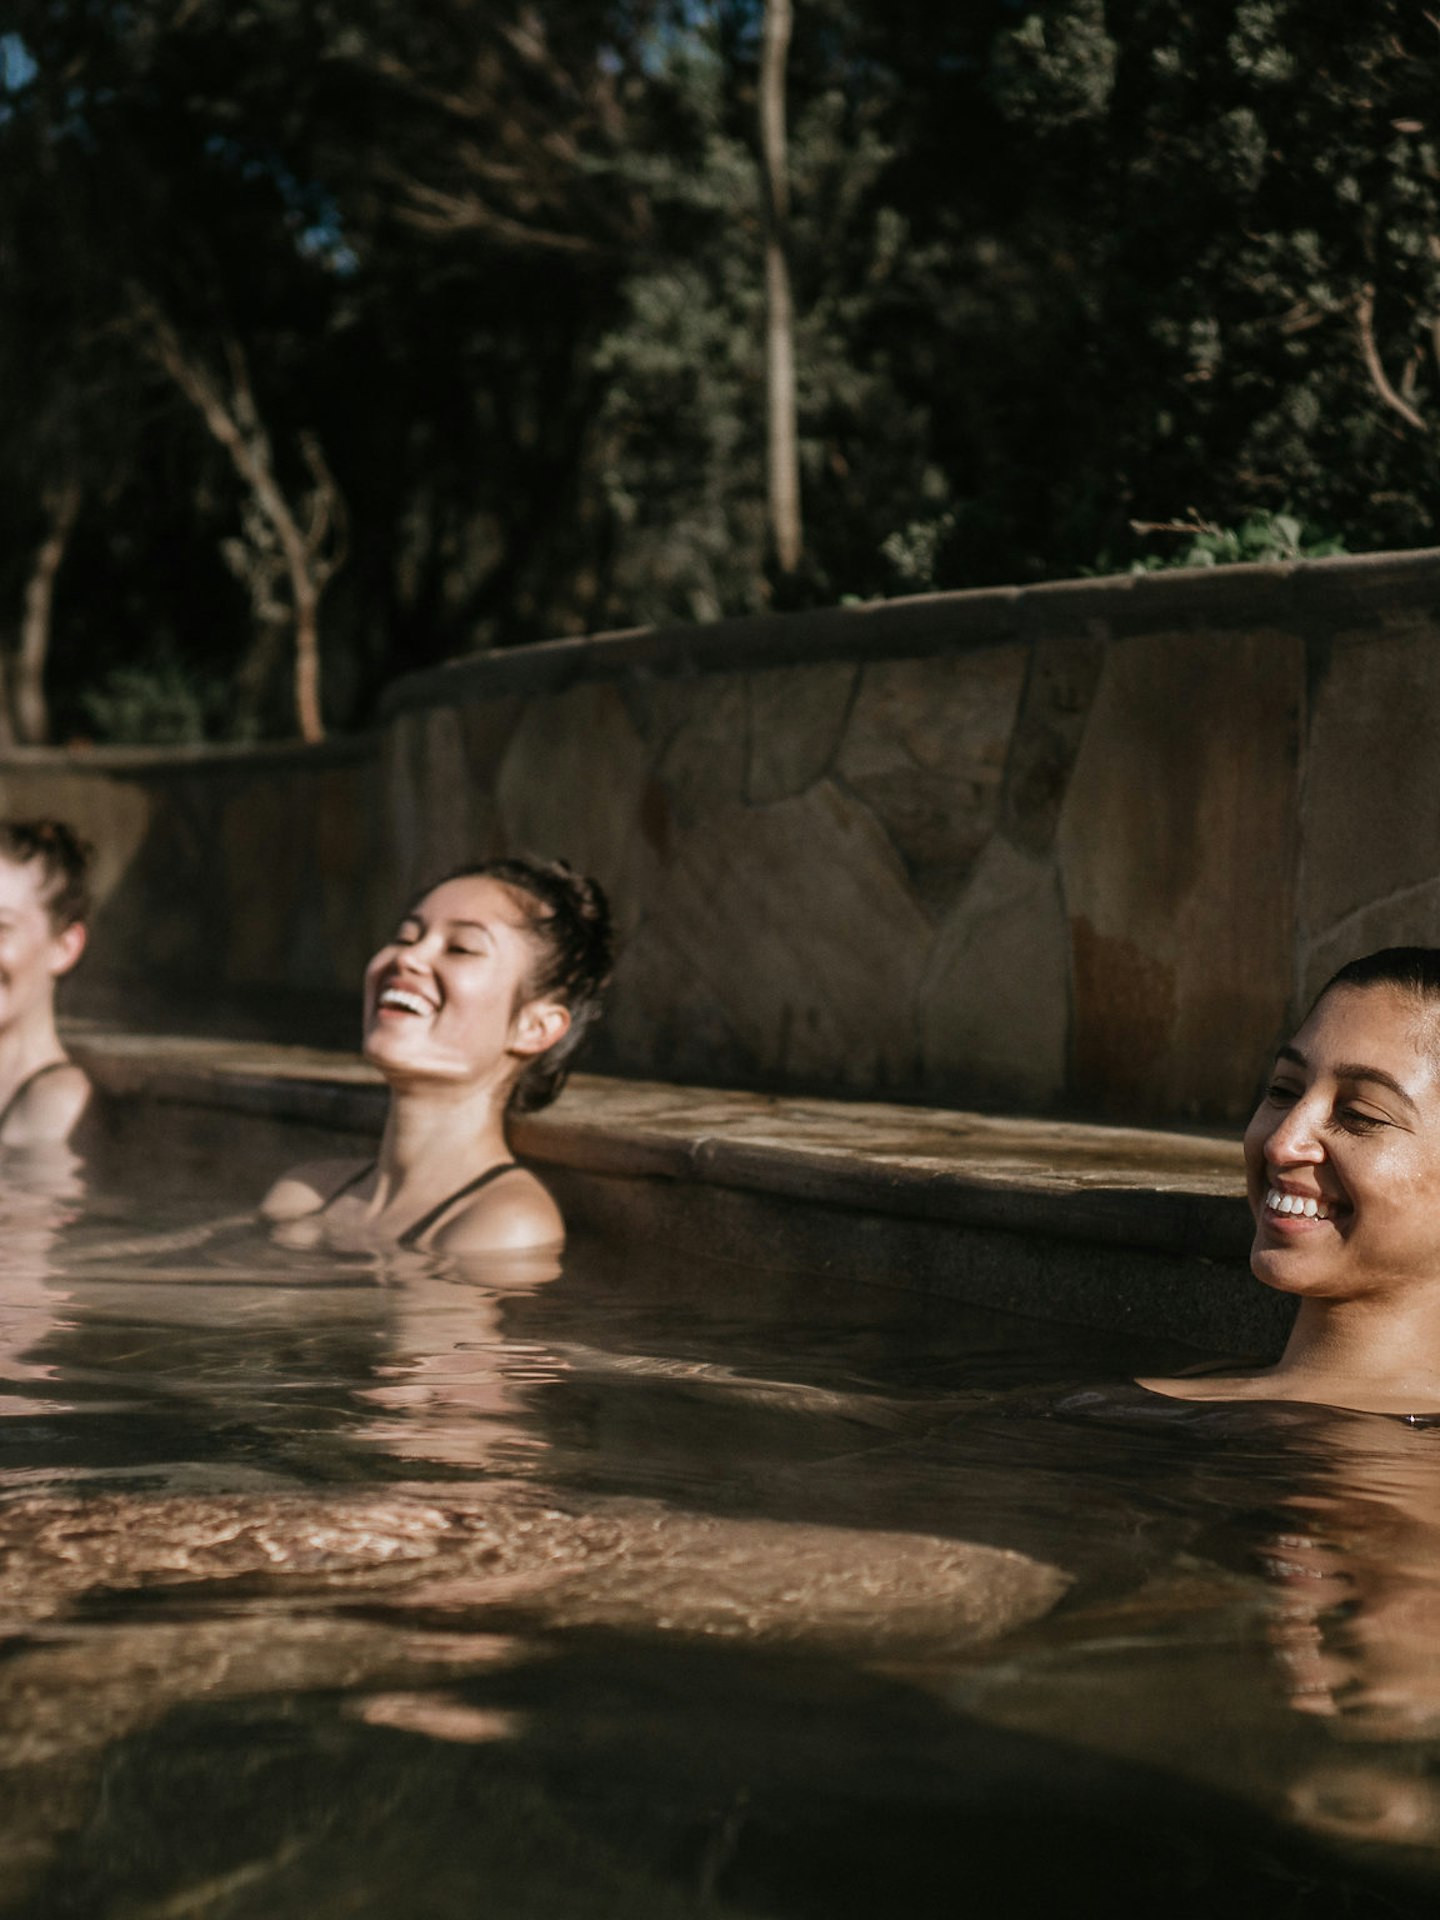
(67, 947)
(538, 1025)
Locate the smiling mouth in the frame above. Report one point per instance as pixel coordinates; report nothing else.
(1295, 1205)
(398, 1000)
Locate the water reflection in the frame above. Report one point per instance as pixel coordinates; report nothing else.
(687, 1562)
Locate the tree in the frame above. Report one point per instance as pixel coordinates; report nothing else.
(305, 536)
(783, 460)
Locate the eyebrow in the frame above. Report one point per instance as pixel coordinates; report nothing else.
(1351, 1070)
(475, 926)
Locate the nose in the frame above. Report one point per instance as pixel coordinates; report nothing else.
(1294, 1139)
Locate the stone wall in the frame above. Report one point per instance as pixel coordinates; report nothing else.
(1083, 846)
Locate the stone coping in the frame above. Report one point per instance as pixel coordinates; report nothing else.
(1174, 1193)
(1313, 597)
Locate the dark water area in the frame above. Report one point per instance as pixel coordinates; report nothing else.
(654, 1585)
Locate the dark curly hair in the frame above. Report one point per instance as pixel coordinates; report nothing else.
(568, 919)
(64, 860)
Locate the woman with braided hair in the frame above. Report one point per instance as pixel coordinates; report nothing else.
(473, 1010)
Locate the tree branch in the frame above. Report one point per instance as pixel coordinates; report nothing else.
(1365, 320)
(234, 421)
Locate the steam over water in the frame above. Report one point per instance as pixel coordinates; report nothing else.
(660, 1586)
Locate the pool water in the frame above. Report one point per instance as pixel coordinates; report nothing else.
(662, 1585)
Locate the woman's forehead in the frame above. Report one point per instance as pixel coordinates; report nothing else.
(22, 882)
(476, 897)
(1375, 1026)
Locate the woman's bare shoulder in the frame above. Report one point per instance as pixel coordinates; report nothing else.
(1231, 1380)
(515, 1215)
(49, 1110)
(308, 1187)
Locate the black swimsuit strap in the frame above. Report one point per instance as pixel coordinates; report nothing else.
(353, 1181)
(413, 1235)
(51, 1066)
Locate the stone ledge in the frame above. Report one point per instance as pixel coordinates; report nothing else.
(1104, 1186)
(1297, 596)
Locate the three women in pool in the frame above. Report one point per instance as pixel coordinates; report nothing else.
(44, 902)
(1343, 1171)
(473, 1010)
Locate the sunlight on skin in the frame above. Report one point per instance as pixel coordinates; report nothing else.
(448, 1024)
(34, 954)
(1348, 1130)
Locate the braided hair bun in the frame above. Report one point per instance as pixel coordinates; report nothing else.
(568, 919)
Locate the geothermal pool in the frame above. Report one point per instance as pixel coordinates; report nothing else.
(665, 1585)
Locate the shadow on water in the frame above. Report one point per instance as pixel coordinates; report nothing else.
(628, 1777)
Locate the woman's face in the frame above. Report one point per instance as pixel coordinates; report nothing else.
(445, 998)
(1343, 1154)
(32, 954)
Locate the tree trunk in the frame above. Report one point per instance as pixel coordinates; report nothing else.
(31, 712)
(235, 422)
(307, 659)
(783, 459)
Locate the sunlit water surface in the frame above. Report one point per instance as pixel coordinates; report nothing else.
(659, 1586)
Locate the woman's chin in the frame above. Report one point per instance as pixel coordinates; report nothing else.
(1293, 1269)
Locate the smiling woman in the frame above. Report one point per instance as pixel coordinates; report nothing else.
(1342, 1165)
(474, 1009)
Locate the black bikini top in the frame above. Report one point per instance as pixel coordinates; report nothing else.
(415, 1233)
(51, 1066)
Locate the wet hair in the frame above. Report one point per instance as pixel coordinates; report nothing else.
(64, 865)
(1412, 970)
(568, 919)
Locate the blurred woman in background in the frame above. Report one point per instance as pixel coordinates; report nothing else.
(44, 906)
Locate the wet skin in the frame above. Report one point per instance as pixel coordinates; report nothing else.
(449, 1021)
(34, 953)
(445, 997)
(1342, 1163)
(1351, 1120)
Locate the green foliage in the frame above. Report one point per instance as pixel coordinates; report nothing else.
(1260, 536)
(161, 703)
(1058, 269)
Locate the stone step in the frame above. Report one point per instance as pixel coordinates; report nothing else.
(1166, 1192)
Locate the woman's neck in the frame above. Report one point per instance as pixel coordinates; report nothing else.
(431, 1141)
(26, 1045)
(1362, 1352)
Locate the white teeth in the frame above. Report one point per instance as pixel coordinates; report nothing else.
(1278, 1202)
(407, 1002)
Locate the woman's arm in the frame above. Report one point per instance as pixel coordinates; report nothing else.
(307, 1188)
